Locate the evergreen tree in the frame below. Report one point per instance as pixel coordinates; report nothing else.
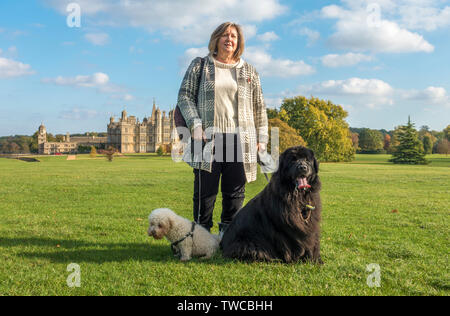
(409, 149)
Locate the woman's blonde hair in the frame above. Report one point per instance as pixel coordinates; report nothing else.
(215, 36)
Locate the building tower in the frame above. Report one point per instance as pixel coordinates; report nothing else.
(42, 134)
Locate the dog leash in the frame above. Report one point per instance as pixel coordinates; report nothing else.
(174, 244)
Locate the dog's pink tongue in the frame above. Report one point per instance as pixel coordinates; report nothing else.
(303, 183)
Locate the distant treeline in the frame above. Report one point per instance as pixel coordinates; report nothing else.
(373, 141)
(90, 134)
(23, 144)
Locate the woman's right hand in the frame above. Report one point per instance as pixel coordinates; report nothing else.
(199, 134)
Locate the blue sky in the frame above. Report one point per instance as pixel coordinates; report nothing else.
(381, 60)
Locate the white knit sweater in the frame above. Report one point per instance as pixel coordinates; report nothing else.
(226, 99)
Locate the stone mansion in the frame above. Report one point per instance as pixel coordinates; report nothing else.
(127, 135)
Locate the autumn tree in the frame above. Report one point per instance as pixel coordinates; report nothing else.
(443, 146)
(288, 136)
(322, 125)
(371, 141)
(355, 141)
(93, 153)
(387, 142)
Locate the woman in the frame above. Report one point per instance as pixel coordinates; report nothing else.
(222, 103)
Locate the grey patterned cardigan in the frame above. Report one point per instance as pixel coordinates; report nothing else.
(199, 110)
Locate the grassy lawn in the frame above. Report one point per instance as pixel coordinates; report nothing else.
(94, 213)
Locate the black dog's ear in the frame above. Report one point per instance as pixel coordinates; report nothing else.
(281, 161)
(316, 164)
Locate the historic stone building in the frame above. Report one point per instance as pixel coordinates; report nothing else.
(128, 135)
(69, 145)
(51, 148)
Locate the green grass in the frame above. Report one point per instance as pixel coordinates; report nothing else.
(93, 213)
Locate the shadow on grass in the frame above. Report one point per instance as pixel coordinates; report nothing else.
(64, 251)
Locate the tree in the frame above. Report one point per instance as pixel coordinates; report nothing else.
(110, 153)
(13, 148)
(370, 141)
(355, 141)
(93, 153)
(34, 147)
(387, 142)
(443, 146)
(160, 151)
(288, 136)
(322, 125)
(409, 149)
(447, 132)
(167, 148)
(427, 144)
(272, 113)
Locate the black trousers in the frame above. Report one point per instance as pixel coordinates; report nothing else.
(227, 169)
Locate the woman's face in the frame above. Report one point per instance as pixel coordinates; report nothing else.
(228, 41)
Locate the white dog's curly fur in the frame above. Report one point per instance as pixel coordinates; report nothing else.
(163, 222)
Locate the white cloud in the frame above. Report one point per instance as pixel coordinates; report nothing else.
(361, 92)
(268, 37)
(10, 69)
(358, 30)
(373, 93)
(10, 53)
(96, 80)
(98, 39)
(185, 21)
(433, 95)
(128, 97)
(249, 31)
(273, 103)
(312, 35)
(123, 97)
(352, 86)
(349, 59)
(77, 114)
(99, 81)
(424, 18)
(189, 55)
(427, 15)
(268, 66)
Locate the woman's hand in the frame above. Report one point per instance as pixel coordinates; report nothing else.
(261, 147)
(199, 134)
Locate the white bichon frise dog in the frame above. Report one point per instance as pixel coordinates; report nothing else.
(188, 238)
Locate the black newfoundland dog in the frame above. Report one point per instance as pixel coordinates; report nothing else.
(282, 221)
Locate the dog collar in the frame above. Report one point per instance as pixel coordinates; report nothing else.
(174, 244)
